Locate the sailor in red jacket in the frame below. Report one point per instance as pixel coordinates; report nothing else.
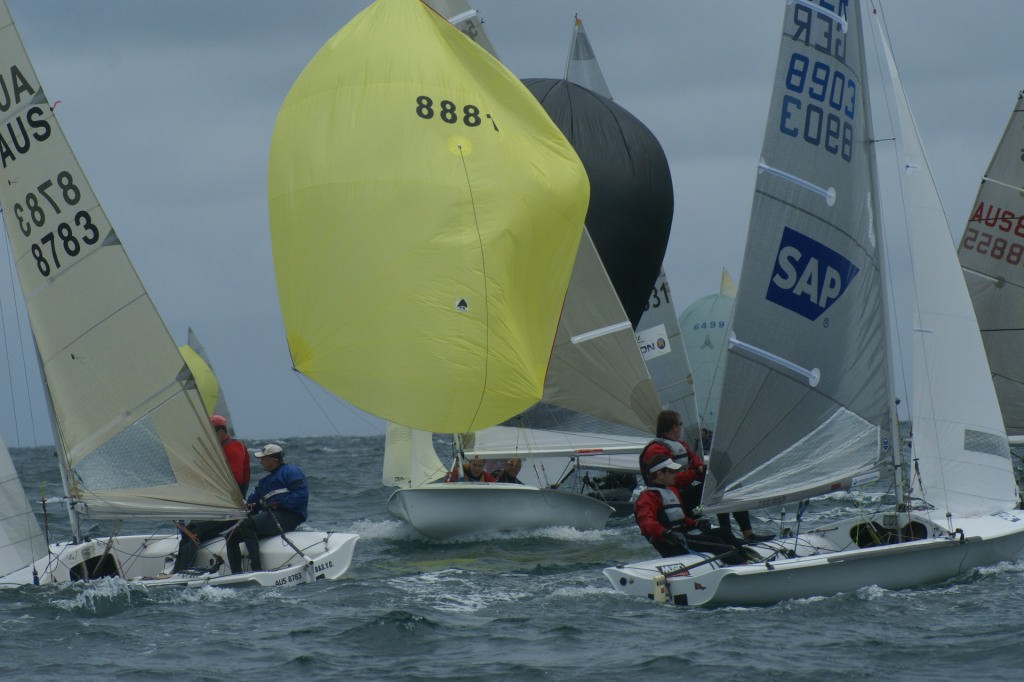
(662, 518)
(472, 472)
(690, 480)
(690, 474)
(235, 452)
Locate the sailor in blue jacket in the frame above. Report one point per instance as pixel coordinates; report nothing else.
(276, 506)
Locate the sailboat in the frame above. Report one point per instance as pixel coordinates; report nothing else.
(806, 400)
(628, 218)
(132, 436)
(990, 254)
(705, 328)
(206, 380)
(427, 285)
(598, 401)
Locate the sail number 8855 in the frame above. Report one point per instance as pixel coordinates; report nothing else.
(447, 111)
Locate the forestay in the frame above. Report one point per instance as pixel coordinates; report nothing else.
(804, 395)
(425, 213)
(129, 423)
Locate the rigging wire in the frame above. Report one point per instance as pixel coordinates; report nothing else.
(19, 334)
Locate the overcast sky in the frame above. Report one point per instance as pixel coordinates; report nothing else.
(169, 106)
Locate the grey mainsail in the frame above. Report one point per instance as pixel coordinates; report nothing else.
(804, 397)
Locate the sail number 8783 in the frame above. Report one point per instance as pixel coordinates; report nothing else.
(66, 241)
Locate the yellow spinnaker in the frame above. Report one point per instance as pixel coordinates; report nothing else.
(424, 215)
(206, 380)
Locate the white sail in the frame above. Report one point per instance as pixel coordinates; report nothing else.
(500, 442)
(410, 458)
(990, 253)
(596, 368)
(21, 539)
(959, 441)
(581, 66)
(129, 424)
(705, 328)
(467, 19)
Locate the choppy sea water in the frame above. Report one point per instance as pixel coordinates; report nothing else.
(519, 606)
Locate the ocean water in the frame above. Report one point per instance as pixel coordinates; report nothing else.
(518, 606)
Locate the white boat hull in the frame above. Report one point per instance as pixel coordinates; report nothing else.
(825, 566)
(146, 559)
(445, 510)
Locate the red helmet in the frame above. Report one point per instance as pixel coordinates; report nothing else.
(217, 420)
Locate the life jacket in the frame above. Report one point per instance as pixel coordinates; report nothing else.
(674, 447)
(676, 450)
(671, 507)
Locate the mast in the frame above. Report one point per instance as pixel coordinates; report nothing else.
(896, 447)
(65, 475)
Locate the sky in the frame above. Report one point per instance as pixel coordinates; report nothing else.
(170, 105)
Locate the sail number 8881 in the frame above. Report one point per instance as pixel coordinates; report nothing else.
(447, 111)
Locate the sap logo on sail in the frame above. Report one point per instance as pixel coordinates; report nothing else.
(808, 276)
(32, 124)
